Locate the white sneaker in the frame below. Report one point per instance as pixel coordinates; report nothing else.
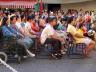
(31, 54)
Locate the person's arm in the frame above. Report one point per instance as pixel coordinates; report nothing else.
(22, 31)
(57, 38)
(17, 33)
(74, 32)
(35, 28)
(79, 35)
(6, 32)
(54, 36)
(32, 31)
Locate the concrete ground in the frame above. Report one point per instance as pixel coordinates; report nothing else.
(46, 65)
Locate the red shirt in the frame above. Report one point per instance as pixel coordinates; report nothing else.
(34, 27)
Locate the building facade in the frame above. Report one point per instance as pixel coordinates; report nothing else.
(68, 4)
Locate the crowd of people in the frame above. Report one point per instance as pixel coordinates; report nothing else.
(50, 27)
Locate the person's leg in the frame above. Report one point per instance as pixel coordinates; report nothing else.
(57, 49)
(56, 44)
(95, 37)
(30, 53)
(91, 46)
(95, 40)
(63, 49)
(62, 35)
(26, 43)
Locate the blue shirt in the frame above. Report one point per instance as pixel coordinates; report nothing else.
(6, 31)
(15, 30)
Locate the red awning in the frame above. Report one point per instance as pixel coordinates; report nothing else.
(17, 3)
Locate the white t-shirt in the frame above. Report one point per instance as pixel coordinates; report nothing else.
(46, 33)
(18, 24)
(28, 25)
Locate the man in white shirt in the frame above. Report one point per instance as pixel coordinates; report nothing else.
(47, 32)
(48, 36)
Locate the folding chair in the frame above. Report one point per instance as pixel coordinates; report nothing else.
(75, 50)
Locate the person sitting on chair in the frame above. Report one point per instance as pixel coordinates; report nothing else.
(78, 36)
(11, 31)
(5, 28)
(48, 36)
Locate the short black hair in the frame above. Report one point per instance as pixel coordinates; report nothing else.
(81, 25)
(70, 19)
(4, 20)
(31, 17)
(22, 16)
(64, 18)
(11, 18)
(51, 18)
(17, 17)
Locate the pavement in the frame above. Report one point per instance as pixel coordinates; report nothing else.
(46, 65)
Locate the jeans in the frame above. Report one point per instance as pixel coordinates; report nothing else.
(26, 42)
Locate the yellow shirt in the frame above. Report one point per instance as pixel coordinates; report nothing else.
(80, 31)
(71, 29)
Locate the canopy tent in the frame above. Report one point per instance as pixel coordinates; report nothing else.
(17, 3)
